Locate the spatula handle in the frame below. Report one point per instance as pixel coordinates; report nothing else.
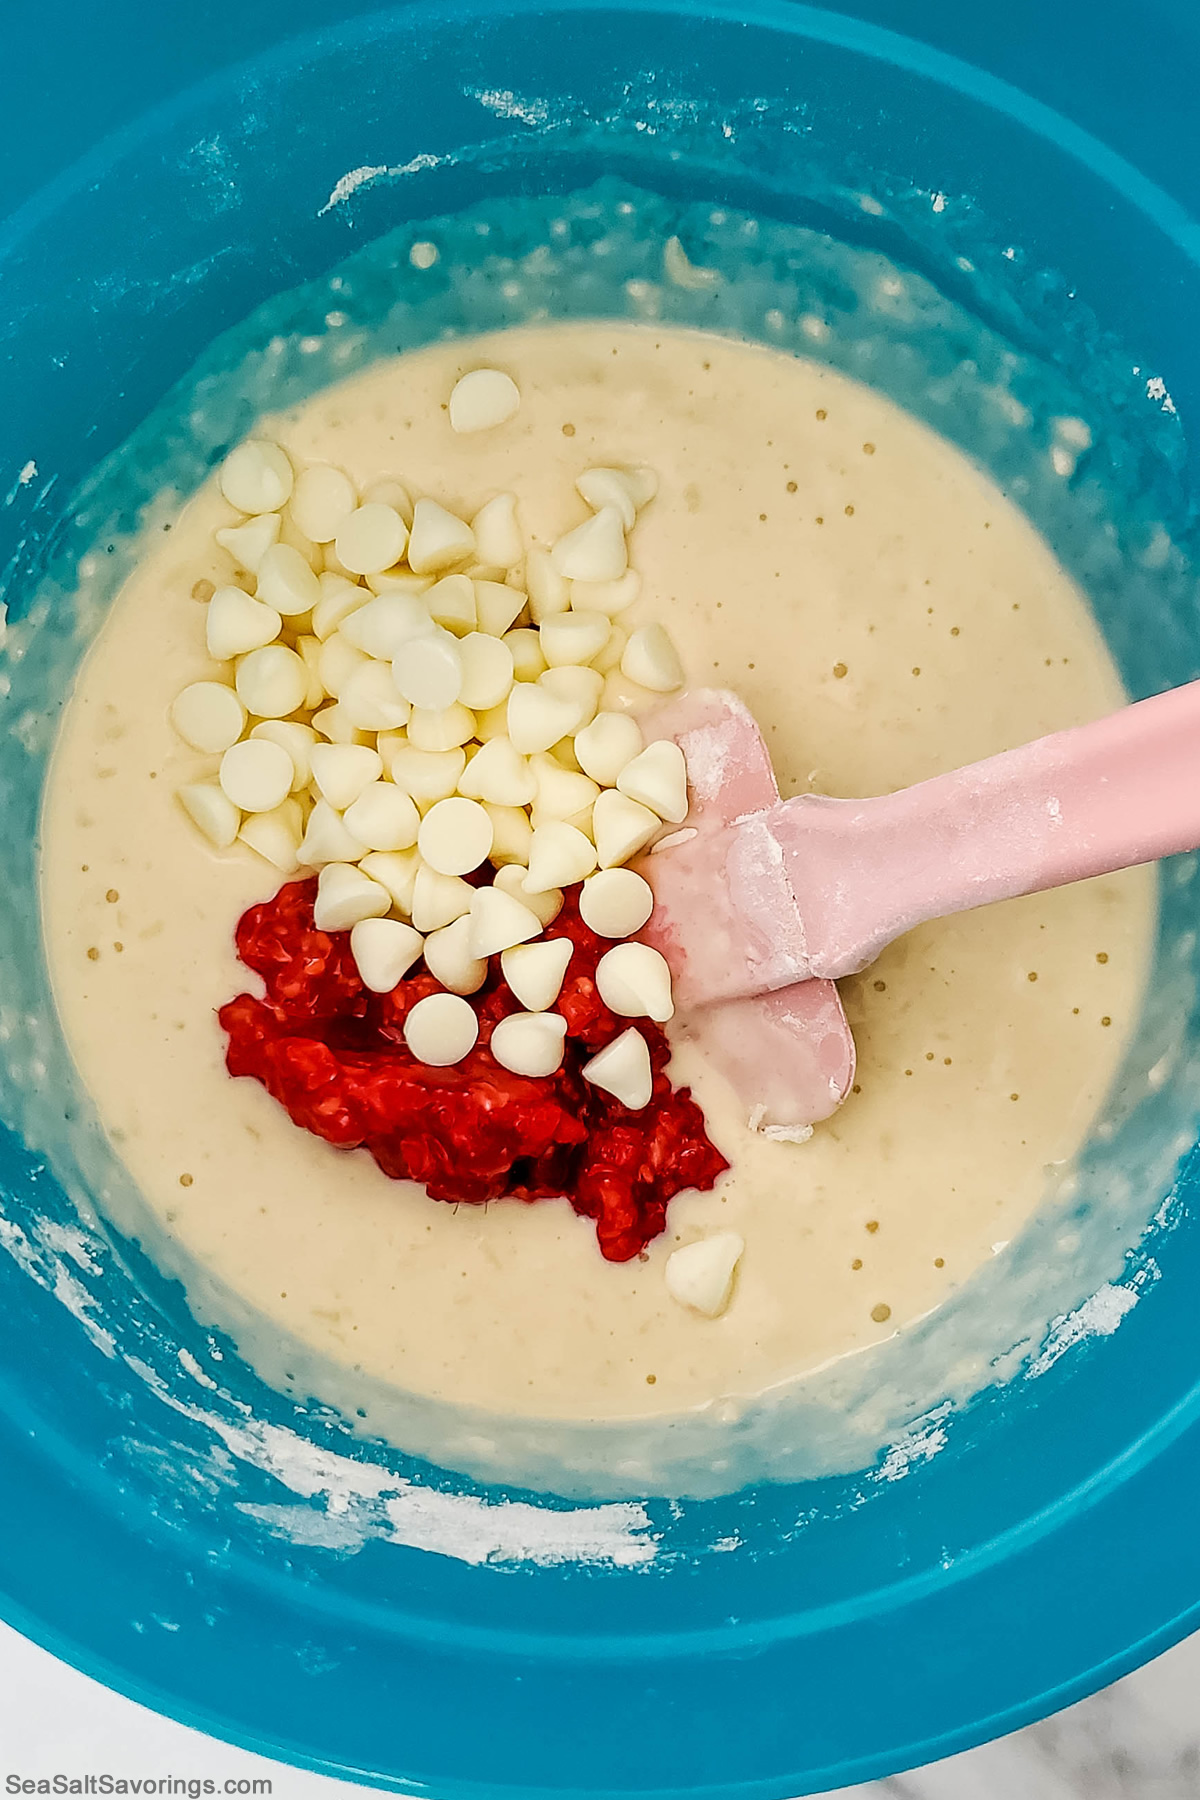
(1083, 802)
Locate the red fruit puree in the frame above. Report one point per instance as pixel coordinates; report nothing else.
(333, 1054)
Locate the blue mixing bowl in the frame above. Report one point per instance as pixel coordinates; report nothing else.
(189, 1536)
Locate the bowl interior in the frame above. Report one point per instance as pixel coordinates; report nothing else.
(179, 1527)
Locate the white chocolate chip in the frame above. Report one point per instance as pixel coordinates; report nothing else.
(525, 648)
(208, 716)
(286, 581)
(547, 905)
(679, 269)
(297, 740)
(330, 582)
(387, 491)
(447, 729)
(579, 688)
(621, 828)
(370, 701)
(564, 752)
(498, 921)
(498, 773)
(483, 399)
(652, 660)
(573, 637)
(451, 604)
(595, 550)
(427, 775)
(309, 650)
(332, 723)
(535, 972)
(642, 483)
(635, 981)
(448, 958)
(311, 554)
(276, 835)
(512, 834)
(529, 1043)
(335, 661)
(455, 836)
(608, 487)
(496, 606)
(700, 1275)
(384, 950)
(395, 870)
(497, 535)
(535, 718)
(256, 775)
(237, 623)
(549, 592)
(439, 899)
(342, 771)
(623, 695)
(383, 818)
(345, 896)
(330, 565)
(212, 811)
(384, 626)
(428, 670)
(607, 597)
(487, 671)
(272, 682)
(327, 839)
(615, 903)
(322, 499)
(492, 722)
(559, 856)
(623, 1070)
(399, 581)
(609, 658)
(439, 539)
(371, 538)
(339, 598)
(658, 778)
(561, 794)
(249, 543)
(606, 745)
(626, 489)
(257, 477)
(441, 1029)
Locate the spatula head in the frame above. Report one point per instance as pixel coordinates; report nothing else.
(789, 1054)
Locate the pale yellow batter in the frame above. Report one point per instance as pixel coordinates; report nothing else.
(887, 614)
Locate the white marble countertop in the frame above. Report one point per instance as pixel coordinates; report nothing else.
(1140, 1740)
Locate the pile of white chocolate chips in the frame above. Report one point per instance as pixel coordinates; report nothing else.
(411, 696)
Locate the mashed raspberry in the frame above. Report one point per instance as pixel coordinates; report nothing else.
(333, 1054)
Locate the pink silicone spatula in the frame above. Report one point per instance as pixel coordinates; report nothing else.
(789, 1053)
(814, 888)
